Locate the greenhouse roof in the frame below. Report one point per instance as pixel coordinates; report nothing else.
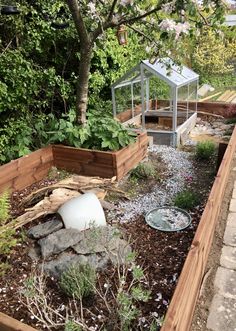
(173, 74)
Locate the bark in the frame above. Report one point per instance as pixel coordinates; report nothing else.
(82, 84)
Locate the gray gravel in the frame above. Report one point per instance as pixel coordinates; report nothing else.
(179, 169)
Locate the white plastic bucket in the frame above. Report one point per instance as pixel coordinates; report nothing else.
(82, 212)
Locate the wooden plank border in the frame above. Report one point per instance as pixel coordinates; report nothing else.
(101, 163)
(22, 172)
(180, 312)
(31, 168)
(8, 323)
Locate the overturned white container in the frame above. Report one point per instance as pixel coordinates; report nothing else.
(82, 212)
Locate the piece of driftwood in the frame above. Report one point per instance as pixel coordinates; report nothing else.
(49, 205)
(75, 182)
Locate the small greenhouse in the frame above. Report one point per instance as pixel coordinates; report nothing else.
(160, 98)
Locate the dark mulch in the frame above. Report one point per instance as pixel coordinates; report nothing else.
(160, 254)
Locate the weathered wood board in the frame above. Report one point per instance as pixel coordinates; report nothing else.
(8, 323)
(103, 164)
(27, 170)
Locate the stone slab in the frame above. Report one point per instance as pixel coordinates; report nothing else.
(222, 314)
(59, 241)
(231, 220)
(232, 207)
(98, 239)
(56, 267)
(228, 257)
(230, 236)
(225, 281)
(44, 229)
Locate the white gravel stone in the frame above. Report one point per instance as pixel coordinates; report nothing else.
(179, 167)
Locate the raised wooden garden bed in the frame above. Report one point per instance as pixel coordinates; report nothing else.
(181, 308)
(104, 164)
(20, 173)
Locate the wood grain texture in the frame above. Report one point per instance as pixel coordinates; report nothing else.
(98, 163)
(27, 170)
(8, 323)
(181, 309)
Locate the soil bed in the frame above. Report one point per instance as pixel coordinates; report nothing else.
(160, 254)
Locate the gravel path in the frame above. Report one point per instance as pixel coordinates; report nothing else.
(179, 170)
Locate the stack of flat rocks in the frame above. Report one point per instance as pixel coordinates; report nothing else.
(57, 248)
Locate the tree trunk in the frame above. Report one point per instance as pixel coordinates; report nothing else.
(82, 84)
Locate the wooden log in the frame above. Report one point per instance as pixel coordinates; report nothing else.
(181, 309)
(8, 323)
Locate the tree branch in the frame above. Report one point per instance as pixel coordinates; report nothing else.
(111, 10)
(111, 24)
(132, 20)
(140, 33)
(78, 20)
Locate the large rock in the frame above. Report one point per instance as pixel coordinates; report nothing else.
(98, 239)
(59, 241)
(93, 240)
(44, 229)
(56, 267)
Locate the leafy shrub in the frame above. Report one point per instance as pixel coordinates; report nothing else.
(144, 171)
(102, 133)
(205, 150)
(78, 281)
(186, 200)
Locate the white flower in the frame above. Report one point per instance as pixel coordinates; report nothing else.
(170, 25)
(167, 25)
(168, 7)
(92, 8)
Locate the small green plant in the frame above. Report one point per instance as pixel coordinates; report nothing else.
(231, 120)
(126, 310)
(7, 241)
(144, 170)
(186, 199)
(72, 326)
(4, 266)
(205, 150)
(78, 281)
(4, 208)
(129, 295)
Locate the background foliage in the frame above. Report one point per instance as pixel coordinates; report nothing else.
(39, 69)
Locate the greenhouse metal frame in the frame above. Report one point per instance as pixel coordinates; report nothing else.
(175, 77)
